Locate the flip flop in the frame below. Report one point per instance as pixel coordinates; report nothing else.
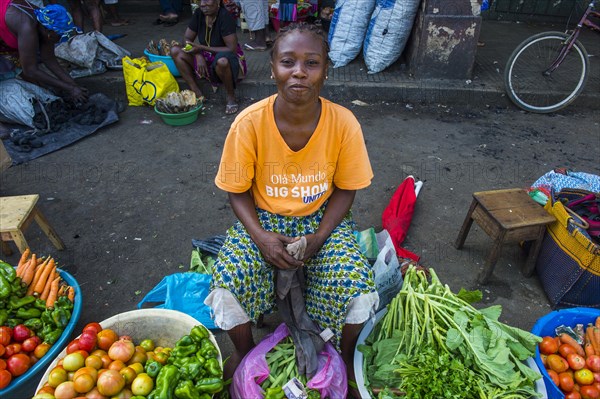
(158, 22)
(231, 109)
(249, 47)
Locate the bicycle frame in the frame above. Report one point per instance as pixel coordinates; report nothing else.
(569, 42)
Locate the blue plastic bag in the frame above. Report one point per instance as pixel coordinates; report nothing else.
(184, 292)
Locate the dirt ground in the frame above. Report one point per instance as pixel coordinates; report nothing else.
(128, 200)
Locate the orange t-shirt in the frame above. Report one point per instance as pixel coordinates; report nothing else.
(293, 183)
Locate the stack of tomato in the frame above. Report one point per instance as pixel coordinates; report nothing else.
(20, 349)
(574, 367)
(101, 364)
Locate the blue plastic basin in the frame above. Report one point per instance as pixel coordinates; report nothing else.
(165, 59)
(21, 380)
(546, 325)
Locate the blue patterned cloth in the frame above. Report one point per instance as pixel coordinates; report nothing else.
(554, 181)
(335, 275)
(56, 18)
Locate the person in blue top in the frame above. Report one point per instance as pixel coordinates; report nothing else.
(216, 56)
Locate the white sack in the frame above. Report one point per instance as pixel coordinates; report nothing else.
(347, 30)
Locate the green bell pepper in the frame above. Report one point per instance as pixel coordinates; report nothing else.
(274, 393)
(52, 336)
(3, 316)
(184, 347)
(209, 385)
(34, 324)
(166, 381)
(15, 302)
(27, 314)
(192, 370)
(186, 390)
(64, 303)
(207, 349)
(19, 288)
(213, 367)
(61, 317)
(152, 368)
(40, 304)
(5, 289)
(200, 358)
(8, 271)
(198, 333)
(12, 322)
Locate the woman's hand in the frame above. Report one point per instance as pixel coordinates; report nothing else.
(202, 68)
(313, 245)
(272, 246)
(191, 47)
(77, 94)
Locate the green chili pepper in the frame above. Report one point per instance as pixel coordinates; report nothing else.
(184, 341)
(198, 333)
(27, 314)
(5, 289)
(200, 358)
(166, 381)
(209, 385)
(186, 390)
(34, 324)
(192, 370)
(8, 271)
(64, 303)
(207, 349)
(15, 302)
(152, 368)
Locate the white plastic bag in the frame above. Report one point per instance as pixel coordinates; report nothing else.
(388, 276)
(17, 98)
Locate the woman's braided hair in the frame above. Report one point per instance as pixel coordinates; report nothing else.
(301, 27)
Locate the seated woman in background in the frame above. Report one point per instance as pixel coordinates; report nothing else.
(27, 31)
(216, 56)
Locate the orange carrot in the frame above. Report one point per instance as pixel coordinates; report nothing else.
(46, 291)
(39, 285)
(53, 294)
(596, 341)
(567, 339)
(24, 257)
(62, 290)
(27, 272)
(37, 271)
(71, 293)
(598, 322)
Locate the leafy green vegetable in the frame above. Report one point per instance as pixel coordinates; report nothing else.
(431, 334)
(201, 263)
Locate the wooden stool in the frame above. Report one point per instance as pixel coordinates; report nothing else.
(16, 213)
(506, 216)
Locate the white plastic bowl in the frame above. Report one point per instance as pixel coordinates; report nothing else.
(163, 326)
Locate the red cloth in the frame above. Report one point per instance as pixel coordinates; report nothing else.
(398, 214)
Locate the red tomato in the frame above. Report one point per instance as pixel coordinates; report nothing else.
(41, 350)
(95, 327)
(5, 378)
(73, 346)
(576, 362)
(565, 350)
(589, 392)
(566, 382)
(548, 346)
(12, 349)
(593, 363)
(2, 364)
(5, 335)
(557, 363)
(87, 340)
(553, 376)
(21, 333)
(573, 395)
(106, 338)
(31, 343)
(18, 364)
(2, 350)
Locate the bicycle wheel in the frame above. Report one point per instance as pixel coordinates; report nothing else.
(525, 82)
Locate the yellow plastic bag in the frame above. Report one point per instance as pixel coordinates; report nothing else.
(146, 81)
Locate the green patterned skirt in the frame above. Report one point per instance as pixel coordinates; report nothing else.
(335, 275)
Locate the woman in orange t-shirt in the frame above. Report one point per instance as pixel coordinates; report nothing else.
(291, 165)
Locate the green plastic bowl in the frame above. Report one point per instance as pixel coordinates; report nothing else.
(181, 119)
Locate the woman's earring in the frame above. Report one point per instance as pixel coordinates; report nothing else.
(326, 77)
(272, 76)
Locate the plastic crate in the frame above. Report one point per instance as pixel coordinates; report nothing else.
(21, 380)
(546, 325)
